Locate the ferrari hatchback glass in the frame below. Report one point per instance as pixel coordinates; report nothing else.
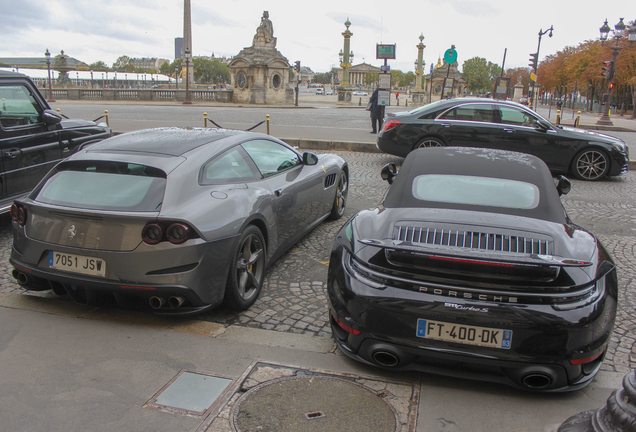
(474, 190)
(105, 186)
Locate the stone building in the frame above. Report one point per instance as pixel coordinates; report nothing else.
(260, 73)
(455, 82)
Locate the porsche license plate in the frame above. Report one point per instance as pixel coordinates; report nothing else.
(77, 263)
(465, 334)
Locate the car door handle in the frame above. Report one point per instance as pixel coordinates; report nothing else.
(509, 130)
(445, 124)
(12, 153)
(278, 192)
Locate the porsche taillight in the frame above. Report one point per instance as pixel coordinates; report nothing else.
(390, 124)
(19, 214)
(174, 232)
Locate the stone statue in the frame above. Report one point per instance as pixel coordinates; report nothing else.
(264, 37)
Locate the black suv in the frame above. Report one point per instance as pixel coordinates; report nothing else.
(33, 138)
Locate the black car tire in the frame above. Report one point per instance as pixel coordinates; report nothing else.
(428, 142)
(247, 270)
(340, 200)
(591, 164)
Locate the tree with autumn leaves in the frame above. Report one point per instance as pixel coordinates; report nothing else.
(580, 69)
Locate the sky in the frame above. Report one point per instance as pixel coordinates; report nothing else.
(310, 32)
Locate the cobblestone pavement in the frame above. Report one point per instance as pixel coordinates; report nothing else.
(294, 299)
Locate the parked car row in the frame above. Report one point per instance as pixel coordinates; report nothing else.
(469, 266)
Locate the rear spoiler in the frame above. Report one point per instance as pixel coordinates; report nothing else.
(476, 256)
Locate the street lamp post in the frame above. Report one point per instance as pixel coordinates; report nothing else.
(346, 54)
(187, 100)
(91, 78)
(176, 77)
(535, 62)
(619, 32)
(47, 54)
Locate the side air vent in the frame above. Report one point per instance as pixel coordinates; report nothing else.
(330, 180)
(474, 240)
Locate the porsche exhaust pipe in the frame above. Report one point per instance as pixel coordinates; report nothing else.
(176, 301)
(23, 279)
(156, 302)
(386, 358)
(536, 381)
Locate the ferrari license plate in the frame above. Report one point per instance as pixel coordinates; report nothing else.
(465, 334)
(77, 263)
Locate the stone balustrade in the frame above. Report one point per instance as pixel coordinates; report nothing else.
(140, 94)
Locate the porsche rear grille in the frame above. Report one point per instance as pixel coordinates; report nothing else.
(474, 240)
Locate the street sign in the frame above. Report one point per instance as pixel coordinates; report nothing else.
(384, 81)
(450, 56)
(533, 77)
(385, 51)
(385, 68)
(383, 97)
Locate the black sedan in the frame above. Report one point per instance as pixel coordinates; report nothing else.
(183, 219)
(508, 126)
(470, 267)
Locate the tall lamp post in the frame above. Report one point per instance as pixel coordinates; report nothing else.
(534, 59)
(187, 100)
(619, 32)
(346, 55)
(47, 54)
(91, 78)
(176, 77)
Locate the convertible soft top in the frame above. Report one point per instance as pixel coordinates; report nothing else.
(466, 161)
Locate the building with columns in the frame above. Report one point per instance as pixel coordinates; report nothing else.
(357, 73)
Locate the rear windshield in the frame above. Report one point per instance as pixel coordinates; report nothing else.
(104, 186)
(473, 190)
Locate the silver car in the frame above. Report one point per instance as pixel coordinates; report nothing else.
(183, 219)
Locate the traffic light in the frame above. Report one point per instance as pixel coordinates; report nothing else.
(607, 69)
(297, 66)
(611, 86)
(533, 61)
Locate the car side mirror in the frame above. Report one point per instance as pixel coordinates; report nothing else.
(309, 159)
(51, 117)
(540, 126)
(389, 171)
(563, 185)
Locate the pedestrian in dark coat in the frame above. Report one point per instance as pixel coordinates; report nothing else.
(377, 112)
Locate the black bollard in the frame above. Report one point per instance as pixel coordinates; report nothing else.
(618, 415)
(360, 102)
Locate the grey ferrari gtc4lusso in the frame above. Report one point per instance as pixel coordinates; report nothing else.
(184, 219)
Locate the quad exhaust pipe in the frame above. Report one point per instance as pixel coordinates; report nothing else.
(174, 302)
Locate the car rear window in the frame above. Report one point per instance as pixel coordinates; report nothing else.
(104, 186)
(474, 190)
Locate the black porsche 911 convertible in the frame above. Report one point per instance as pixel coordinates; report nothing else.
(470, 267)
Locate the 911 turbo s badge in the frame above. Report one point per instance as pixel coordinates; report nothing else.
(466, 308)
(71, 232)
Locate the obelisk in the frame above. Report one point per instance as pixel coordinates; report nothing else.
(187, 37)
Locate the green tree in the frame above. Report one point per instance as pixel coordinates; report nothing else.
(168, 68)
(371, 78)
(124, 64)
(98, 66)
(210, 71)
(407, 79)
(322, 78)
(480, 74)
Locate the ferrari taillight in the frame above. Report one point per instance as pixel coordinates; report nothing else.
(390, 124)
(174, 232)
(177, 233)
(152, 233)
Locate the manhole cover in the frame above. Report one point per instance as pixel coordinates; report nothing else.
(312, 404)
